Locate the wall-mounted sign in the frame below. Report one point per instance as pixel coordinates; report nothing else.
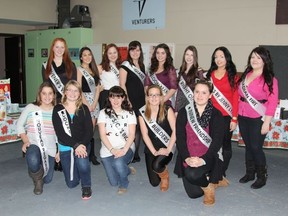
(144, 14)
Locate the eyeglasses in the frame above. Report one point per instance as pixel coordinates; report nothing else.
(72, 90)
(154, 95)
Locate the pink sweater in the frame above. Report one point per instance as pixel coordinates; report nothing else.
(256, 89)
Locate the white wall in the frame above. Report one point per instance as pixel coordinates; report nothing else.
(207, 24)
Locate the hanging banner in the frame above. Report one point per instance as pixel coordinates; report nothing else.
(143, 14)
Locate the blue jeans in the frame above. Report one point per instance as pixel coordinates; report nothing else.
(117, 169)
(82, 170)
(34, 162)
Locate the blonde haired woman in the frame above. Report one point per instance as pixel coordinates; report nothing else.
(157, 124)
(73, 126)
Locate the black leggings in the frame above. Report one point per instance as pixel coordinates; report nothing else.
(226, 148)
(194, 179)
(250, 129)
(156, 165)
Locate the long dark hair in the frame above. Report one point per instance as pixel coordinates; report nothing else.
(193, 71)
(268, 73)
(117, 91)
(132, 46)
(230, 66)
(154, 62)
(92, 65)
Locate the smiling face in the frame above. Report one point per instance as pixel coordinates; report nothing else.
(161, 55)
(86, 57)
(189, 57)
(201, 94)
(59, 49)
(112, 54)
(47, 96)
(256, 62)
(220, 59)
(72, 93)
(154, 97)
(116, 101)
(135, 53)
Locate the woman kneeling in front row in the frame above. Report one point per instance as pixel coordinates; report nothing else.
(199, 133)
(157, 123)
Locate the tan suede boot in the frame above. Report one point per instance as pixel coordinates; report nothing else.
(164, 184)
(209, 195)
(222, 183)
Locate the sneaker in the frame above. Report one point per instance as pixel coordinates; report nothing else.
(121, 191)
(86, 193)
(132, 170)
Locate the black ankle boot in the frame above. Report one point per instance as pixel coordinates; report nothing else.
(250, 172)
(261, 177)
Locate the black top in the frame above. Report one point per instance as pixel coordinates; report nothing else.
(60, 71)
(216, 132)
(166, 127)
(85, 86)
(81, 127)
(135, 90)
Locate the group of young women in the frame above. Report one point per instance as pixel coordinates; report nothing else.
(131, 104)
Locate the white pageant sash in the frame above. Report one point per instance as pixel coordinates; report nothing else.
(202, 135)
(222, 100)
(55, 79)
(114, 70)
(255, 104)
(157, 130)
(39, 130)
(135, 70)
(186, 89)
(164, 89)
(66, 126)
(89, 78)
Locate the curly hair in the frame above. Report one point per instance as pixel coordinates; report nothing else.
(155, 63)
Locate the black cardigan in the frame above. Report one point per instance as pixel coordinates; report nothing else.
(216, 131)
(81, 127)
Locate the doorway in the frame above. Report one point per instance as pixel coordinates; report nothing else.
(12, 65)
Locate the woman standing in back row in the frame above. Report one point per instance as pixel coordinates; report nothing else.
(188, 72)
(132, 75)
(109, 72)
(59, 68)
(163, 73)
(222, 73)
(88, 78)
(258, 90)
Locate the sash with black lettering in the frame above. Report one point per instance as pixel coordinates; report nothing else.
(114, 70)
(202, 135)
(255, 104)
(39, 130)
(164, 89)
(90, 80)
(157, 130)
(135, 70)
(55, 79)
(186, 90)
(66, 126)
(222, 100)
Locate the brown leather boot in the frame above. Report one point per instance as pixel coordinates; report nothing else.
(38, 181)
(164, 184)
(209, 195)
